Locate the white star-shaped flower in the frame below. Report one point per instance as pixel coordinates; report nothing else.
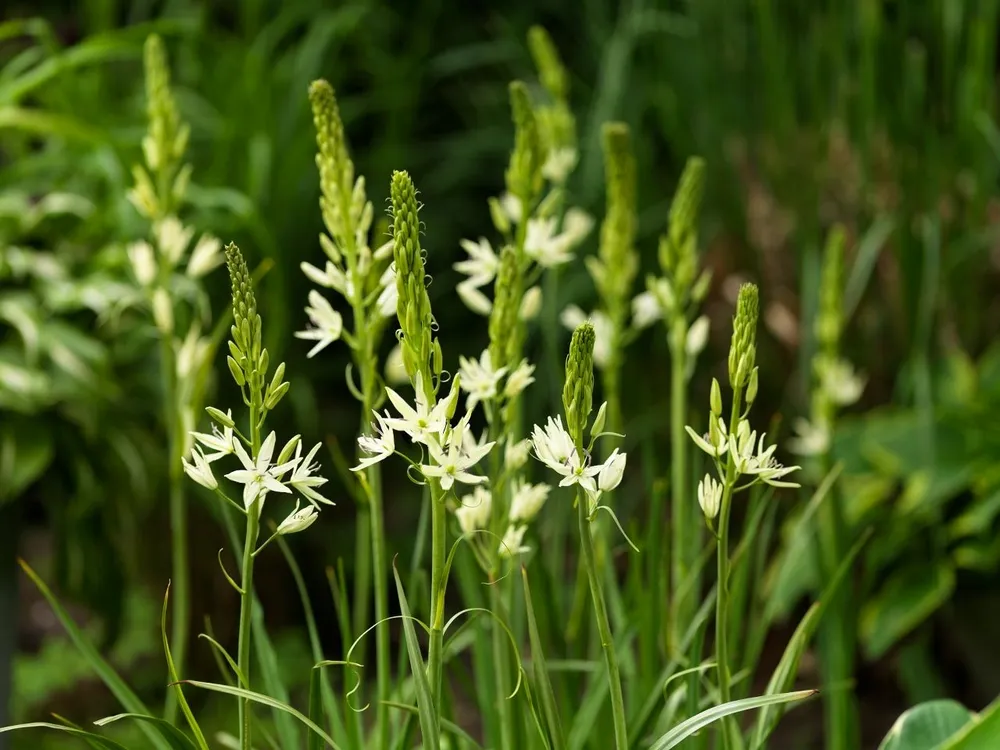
(258, 477)
(327, 323)
(379, 445)
(479, 379)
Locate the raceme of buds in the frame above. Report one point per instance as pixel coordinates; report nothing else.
(550, 68)
(336, 171)
(578, 388)
(524, 173)
(829, 319)
(504, 328)
(678, 247)
(743, 349)
(247, 360)
(615, 268)
(421, 353)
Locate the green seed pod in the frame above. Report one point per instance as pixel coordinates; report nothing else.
(578, 388)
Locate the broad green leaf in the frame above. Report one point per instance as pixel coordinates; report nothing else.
(265, 700)
(983, 731)
(698, 722)
(425, 702)
(47, 123)
(904, 602)
(926, 726)
(177, 739)
(94, 739)
(25, 453)
(123, 694)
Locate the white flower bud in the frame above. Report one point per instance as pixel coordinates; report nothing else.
(697, 336)
(512, 543)
(709, 496)
(531, 303)
(752, 386)
(474, 512)
(395, 371)
(163, 311)
(516, 454)
(298, 520)
(646, 310)
(527, 501)
(172, 238)
(612, 471)
(200, 470)
(140, 255)
(598, 426)
(207, 254)
(520, 379)
(474, 299)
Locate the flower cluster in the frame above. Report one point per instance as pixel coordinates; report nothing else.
(449, 451)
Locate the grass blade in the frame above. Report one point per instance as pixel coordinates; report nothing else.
(698, 722)
(94, 739)
(122, 692)
(166, 728)
(447, 726)
(541, 672)
(425, 702)
(177, 739)
(265, 700)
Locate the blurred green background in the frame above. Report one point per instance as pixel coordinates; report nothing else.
(877, 114)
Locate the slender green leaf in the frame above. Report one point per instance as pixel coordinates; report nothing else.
(177, 739)
(123, 694)
(265, 700)
(698, 722)
(428, 717)
(167, 729)
(864, 262)
(541, 672)
(96, 739)
(447, 726)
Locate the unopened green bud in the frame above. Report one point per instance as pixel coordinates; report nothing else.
(743, 349)
(413, 308)
(288, 450)
(275, 396)
(525, 169)
(336, 171)
(578, 389)
(500, 219)
(234, 368)
(506, 307)
(752, 386)
(550, 67)
(451, 402)
(279, 373)
(701, 286)
(220, 416)
(617, 250)
(716, 399)
(262, 362)
(598, 426)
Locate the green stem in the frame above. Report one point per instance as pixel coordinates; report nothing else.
(180, 572)
(603, 626)
(686, 533)
(439, 530)
(501, 668)
(382, 668)
(246, 583)
(722, 584)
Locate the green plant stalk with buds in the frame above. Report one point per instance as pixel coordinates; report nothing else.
(159, 188)
(248, 365)
(742, 354)
(422, 359)
(339, 194)
(836, 637)
(678, 261)
(578, 394)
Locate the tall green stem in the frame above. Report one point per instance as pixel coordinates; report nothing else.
(180, 575)
(603, 625)
(722, 585)
(686, 533)
(501, 667)
(246, 584)
(439, 530)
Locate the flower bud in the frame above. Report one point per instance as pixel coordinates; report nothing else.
(612, 472)
(200, 470)
(236, 372)
(578, 388)
(298, 520)
(716, 398)
(598, 426)
(163, 311)
(140, 255)
(531, 303)
(500, 218)
(286, 452)
(225, 419)
(709, 496)
(752, 386)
